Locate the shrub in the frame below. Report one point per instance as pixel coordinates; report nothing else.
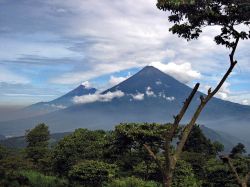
(37, 179)
(93, 173)
(132, 182)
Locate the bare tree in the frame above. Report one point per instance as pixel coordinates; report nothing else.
(189, 17)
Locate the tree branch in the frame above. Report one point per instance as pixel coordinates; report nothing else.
(157, 161)
(230, 164)
(203, 103)
(170, 134)
(182, 112)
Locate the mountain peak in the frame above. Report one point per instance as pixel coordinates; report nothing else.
(86, 85)
(151, 78)
(149, 68)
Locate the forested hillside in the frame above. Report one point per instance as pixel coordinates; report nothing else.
(116, 158)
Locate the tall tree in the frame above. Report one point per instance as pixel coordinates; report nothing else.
(81, 144)
(38, 141)
(237, 150)
(189, 17)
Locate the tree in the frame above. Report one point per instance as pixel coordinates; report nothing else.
(92, 173)
(128, 145)
(3, 152)
(184, 176)
(82, 144)
(38, 141)
(189, 18)
(238, 150)
(218, 174)
(198, 143)
(240, 166)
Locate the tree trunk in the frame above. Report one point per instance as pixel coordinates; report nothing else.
(244, 184)
(167, 180)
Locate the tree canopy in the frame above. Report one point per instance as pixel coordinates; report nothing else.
(189, 17)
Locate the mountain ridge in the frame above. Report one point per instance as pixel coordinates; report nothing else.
(162, 98)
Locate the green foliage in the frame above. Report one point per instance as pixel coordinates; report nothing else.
(38, 135)
(128, 144)
(37, 139)
(184, 176)
(142, 132)
(218, 174)
(198, 143)
(147, 170)
(132, 182)
(9, 171)
(197, 161)
(238, 150)
(37, 179)
(3, 152)
(190, 17)
(242, 165)
(91, 172)
(117, 158)
(82, 144)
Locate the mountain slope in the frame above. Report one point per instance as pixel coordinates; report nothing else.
(148, 96)
(42, 108)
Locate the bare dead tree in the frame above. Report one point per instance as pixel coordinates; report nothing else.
(167, 167)
(189, 18)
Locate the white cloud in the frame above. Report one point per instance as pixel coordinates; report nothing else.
(149, 91)
(138, 96)
(87, 84)
(223, 93)
(116, 80)
(170, 98)
(170, 53)
(109, 96)
(182, 72)
(158, 82)
(246, 102)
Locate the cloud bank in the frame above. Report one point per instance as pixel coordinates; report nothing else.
(109, 96)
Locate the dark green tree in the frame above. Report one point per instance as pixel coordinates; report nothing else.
(189, 17)
(184, 175)
(128, 147)
(238, 150)
(92, 172)
(82, 144)
(238, 164)
(197, 142)
(3, 152)
(38, 141)
(218, 174)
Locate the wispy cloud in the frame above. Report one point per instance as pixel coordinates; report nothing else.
(116, 80)
(10, 77)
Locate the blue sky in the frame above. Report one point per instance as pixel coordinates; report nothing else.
(48, 47)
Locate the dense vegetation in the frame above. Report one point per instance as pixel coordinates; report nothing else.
(116, 158)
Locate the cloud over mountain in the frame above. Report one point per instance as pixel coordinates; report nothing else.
(98, 97)
(182, 72)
